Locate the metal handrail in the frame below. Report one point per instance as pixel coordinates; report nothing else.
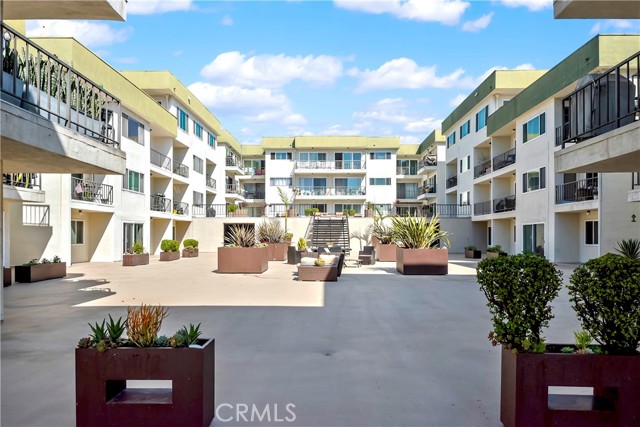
(331, 191)
(577, 191)
(452, 182)
(160, 160)
(482, 169)
(327, 164)
(505, 159)
(24, 180)
(482, 208)
(180, 169)
(160, 203)
(211, 183)
(504, 204)
(89, 191)
(180, 208)
(406, 170)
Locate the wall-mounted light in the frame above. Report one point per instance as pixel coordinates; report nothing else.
(588, 213)
(633, 217)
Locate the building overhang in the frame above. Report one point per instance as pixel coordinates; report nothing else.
(596, 9)
(113, 10)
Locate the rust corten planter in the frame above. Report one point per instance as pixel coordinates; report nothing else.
(422, 261)
(38, 272)
(242, 260)
(473, 254)
(386, 252)
(6, 276)
(169, 256)
(525, 400)
(277, 251)
(193, 253)
(103, 399)
(130, 260)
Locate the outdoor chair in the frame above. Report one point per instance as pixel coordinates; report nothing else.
(367, 256)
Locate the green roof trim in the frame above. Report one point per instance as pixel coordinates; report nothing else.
(602, 51)
(433, 138)
(277, 143)
(252, 150)
(408, 150)
(228, 139)
(330, 142)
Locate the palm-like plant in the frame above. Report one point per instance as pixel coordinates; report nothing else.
(383, 232)
(417, 233)
(284, 197)
(629, 248)
(270, 232)
(241, 236)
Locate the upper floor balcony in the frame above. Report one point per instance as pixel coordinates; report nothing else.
(342, 166)
(23, 187)
(428, 163)
(234, 191)
(452, 182)
(180, 169)
(210, 184)
(93, 192)
(577, 191)
(315, 192)
(233, 165)
(181, 208)
(160, 203)
(253, 172)
(505, 159)
(160, 160)
(504, 204)
(428, 191)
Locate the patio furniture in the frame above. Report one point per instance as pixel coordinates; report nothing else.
(367, 256)
(310, 273)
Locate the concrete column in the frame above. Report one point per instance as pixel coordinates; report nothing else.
(1, 239)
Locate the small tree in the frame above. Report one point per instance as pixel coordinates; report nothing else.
(287, 201)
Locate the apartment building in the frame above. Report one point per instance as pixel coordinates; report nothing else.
(503, 144)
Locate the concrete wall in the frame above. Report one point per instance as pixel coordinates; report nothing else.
(616, 211)
(567, 238)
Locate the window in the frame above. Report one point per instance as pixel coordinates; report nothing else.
(489, 236)
(406, 167)
(591, 233)
(183, 120)
(341, 207)
(197, 164)
(379, 181)
(464, 198)
(212, 140)
(313, 186)
(465, 128)
(534, 180)
(198, 129)
(131, 233)
(281, 156)
(348, 160)
(77, 232)
(481, 118)
(132, 129)
(380, 155)
(407, 190)
(197, 198)
(451, 140)
(465, 163)
(348, 186)
(313, 157)
(533, 238)
(533, 128)
(282, 182)
(133, 181)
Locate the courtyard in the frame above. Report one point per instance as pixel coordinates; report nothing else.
(374, 349)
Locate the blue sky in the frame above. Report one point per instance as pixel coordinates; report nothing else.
(341, 67)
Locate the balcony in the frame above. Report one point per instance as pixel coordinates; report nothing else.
(504, 204)
(160, 160)
(233, 165)
(253, 172)
(578, 191)
(159, 203)
(23, 187)
(210, 211)
(254, 195)
(22, 180)
(234, 191)
(180, 208)
(428, 190)
(450, 210)
(482, 169)
(505, 159)
(482, 208)
(331, 191)
(405, 193)
(406, 170)
(452, 182)
(337, 165)
(231, 161)
(93, 192)
(180, 169)
(211, 184)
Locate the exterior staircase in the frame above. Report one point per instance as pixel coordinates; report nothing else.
(328, 229)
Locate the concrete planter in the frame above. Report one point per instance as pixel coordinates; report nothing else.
(38, 272)
(169, 256)
(386, 252)
(7, 278)
(243, 260)
(473, 254)
(103, 399)
(495, 254)
(190, 254)
(131, 260)
(422, 261)
(277, 251)
(525, 400)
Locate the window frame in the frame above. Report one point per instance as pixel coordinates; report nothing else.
(374, 181)
(197, 161)
(134, 232)
(594, 236)
(126, 181)
(75, 234)
(139, 139)
(272, 181)
(380, 155)
(542, 180)
(465, 126)
(542, 128)
(183, 117)
(198, 130)
(451, 139)
(212, 140)
(277, 155)
(484, 113)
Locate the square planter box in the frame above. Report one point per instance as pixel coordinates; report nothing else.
(472, 254)
(190, 254)
(277, 251)
(386, 253)
(495, 254)
(130, 260)
(103, 399)
(169, 256)
(525, 400)
(242, 260)
(422, 261)
(36, 273)
(7, 278)
(310, 273)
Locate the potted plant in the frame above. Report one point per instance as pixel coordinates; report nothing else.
(231, 209)
(271, 233)
(295, 253)
(35, 271)
(242, 254)
(495, 251)
(352, 212)
(287, 238)
(383, 240)
(170, 250)
(417, 251)
(106, 359)
(190, 249)
(311, 211)
(135, 255)
(472, 252)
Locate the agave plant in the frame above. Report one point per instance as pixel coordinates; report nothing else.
(417, 233)
(629, 248)
(270, 232)
(383, 232)
(241, 236)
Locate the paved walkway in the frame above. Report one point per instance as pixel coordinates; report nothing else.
(373, 349)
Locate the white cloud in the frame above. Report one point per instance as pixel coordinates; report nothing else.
(339, 130)
(393, 116)
(92, 34)
(615, 24)
(425, 125)
(534, 5)
(227, 20)
(479, 24)
(253, 104)
(152, 7)
(234, 68)
(410, 139)
(444, 11)
(457, 100)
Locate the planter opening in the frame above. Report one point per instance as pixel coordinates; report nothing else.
(148, 392)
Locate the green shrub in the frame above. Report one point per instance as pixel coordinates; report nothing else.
(629, 248)
(302, 244)
(311, 211)
(417, 233)
(137, 248)
(382, 232)
(470, 248)
(231, 208)
(496, 248)
(170, 245)
(190, 242)
(319, 262)
(352, 212)
(519, 290)
(605, 293)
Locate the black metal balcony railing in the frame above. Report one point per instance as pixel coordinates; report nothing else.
(452, 182)
(211, 183)
(482, 169)
(505, 159)
(37, 81)
(253, 171)
(233, 189)
(429, 189)
(449, 210)
(231, 161)
(89, 191)
(606, 103)
(159, 203)
(504, 204)
(23, 180)
(325, 164)
(331, 191)
(254, 195)
(180, 169)
(160, 160)
(577, 191)
(180, 208)
(635, 180)
(209, 211)
(482, 208)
